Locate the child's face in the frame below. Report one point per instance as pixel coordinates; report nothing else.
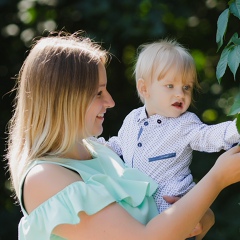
(169, 96)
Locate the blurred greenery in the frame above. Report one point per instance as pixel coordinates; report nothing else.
(121, 26)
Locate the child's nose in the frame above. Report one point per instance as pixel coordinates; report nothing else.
(179, 92)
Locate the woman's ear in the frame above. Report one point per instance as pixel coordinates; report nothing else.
(142, 87)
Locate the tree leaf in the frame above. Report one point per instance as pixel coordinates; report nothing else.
(222, 64)
(235, 108)
(234, 8)
(234, 39)
(222, 23)
(233, 59)
(238, 7)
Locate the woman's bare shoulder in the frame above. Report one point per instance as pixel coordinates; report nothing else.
(44, 181)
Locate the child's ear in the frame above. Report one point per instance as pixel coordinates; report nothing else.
(142, 88)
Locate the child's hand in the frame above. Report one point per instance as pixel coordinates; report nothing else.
(171, 199)
(196, 231)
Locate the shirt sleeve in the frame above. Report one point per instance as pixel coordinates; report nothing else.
(133, 190)
(63, 208)
(212, 138)
(113, 142)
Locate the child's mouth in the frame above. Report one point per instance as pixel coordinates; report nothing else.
(177, 104)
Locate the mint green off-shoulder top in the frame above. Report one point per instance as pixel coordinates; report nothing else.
(105, 180)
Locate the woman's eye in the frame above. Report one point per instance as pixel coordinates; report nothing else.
(169, 86)
(99, 93)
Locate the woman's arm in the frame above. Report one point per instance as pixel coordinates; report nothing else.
(113, 222)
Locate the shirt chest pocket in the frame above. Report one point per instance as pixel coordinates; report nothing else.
(162, 157)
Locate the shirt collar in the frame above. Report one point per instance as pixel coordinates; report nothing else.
(143, 116)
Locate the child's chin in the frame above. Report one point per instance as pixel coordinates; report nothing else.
(176, 115)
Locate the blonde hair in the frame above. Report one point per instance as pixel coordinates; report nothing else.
(156, 59)
(55, 86)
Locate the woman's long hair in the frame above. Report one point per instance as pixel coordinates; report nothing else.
(56, 83)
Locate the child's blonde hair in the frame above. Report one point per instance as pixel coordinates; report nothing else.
(156, 59)
(56, 84)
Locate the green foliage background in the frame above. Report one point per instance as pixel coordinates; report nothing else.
(121, 26)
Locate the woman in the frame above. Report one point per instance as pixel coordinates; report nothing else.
(72, 188)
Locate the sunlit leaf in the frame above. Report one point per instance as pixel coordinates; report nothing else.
(222, 23)
(235, 109)
(234, 8)
(199, 58)
(222, 64)
(233, 59)
(210, 115)
(238, 7)
(33, 13)
(234, 39)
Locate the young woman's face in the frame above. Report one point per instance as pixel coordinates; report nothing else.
(99, 105)
(169, 96)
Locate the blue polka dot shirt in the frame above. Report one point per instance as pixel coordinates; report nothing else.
(162, 147)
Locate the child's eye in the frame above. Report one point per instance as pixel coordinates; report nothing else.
(186, 88)
(170, 86)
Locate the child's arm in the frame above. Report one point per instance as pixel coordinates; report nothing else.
(211, 138)
(113, 142)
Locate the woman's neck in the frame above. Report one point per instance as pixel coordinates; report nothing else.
(78, 152)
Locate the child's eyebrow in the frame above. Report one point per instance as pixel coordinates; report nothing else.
(190, 83)
(169, 80)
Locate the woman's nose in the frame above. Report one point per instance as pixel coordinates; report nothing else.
(109, 101)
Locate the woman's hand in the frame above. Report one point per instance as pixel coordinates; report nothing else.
(227, 168)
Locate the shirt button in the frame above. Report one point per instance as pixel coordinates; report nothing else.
(139, 144)
(145, 123)
(159, 121)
